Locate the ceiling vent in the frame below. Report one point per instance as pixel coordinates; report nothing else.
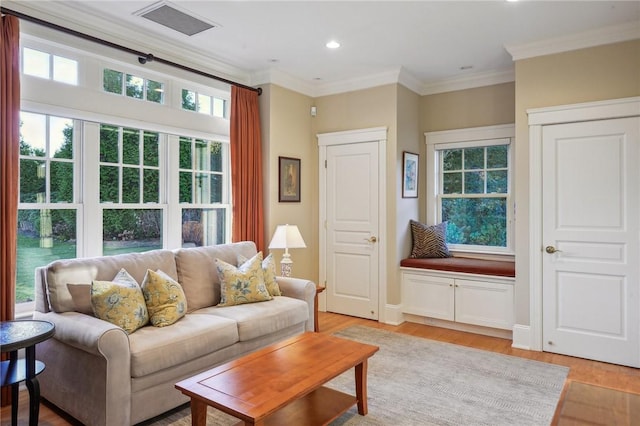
(178, 19)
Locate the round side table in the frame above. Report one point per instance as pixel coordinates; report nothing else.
(25, 334)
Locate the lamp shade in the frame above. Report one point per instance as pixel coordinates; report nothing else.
(286, 237)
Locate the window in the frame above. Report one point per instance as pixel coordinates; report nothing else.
(472, 191)
(203, 192)
(108, 180)
(129, 180)
(204, 104)
(47, 213)
(132, 86)
(52, 67)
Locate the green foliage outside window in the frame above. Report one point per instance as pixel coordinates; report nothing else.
(188, 100)
(44, 234)
(154, 91)
(135, 178)
(467, 174)
(112, 81)
(134, 87)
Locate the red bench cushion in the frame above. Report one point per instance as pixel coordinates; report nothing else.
(462, 264)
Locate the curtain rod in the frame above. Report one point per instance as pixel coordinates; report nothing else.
(143, 58)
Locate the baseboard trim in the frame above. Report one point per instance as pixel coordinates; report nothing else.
(521, 337)
(469, 328)
(393, 315)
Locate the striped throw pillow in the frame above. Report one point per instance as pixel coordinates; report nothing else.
(429, 241)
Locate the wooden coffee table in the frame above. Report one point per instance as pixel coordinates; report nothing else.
(282, 383)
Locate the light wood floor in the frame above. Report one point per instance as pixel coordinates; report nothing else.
(610, 376)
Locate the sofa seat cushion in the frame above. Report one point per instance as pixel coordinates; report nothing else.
(157, 348)
(260, 319)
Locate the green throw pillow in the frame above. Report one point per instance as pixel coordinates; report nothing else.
(243, 284)
(120, 302)
(164, 297)
(269, 271)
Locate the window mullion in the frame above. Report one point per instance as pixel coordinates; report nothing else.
(141, 166)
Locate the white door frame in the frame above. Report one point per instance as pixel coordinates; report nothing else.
(539, 117)
(374, 134)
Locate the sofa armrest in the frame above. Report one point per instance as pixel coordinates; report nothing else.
(88, 333)
(83, 345)
(302, 289)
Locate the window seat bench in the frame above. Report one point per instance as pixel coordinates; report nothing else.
(500, 268)
(474, 295)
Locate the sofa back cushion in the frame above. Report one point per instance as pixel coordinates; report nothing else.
(84, 270)
(197, 270)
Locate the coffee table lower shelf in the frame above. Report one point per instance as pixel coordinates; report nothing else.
(320, 407)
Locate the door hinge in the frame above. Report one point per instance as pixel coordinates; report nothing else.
(325, 164)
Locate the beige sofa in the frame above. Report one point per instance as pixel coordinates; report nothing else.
(102, 376)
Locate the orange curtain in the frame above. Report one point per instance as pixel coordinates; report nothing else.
(9, 150)
(246, 167)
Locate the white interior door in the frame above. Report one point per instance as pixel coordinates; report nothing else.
(352, 229)
(591, 231)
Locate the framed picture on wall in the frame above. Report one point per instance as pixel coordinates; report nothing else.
(288, 180)
(409, 175)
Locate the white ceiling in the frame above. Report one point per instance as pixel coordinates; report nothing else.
(423, 44)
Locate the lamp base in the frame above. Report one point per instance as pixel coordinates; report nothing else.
(285, 269)
(286, 265)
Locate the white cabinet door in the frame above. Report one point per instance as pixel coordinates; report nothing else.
(484, 303)
(428, 296)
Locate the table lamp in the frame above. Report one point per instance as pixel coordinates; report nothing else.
(286, 237)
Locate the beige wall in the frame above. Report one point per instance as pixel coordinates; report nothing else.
(481, 106)
(409, 139)
(286, 132)
(598, 73)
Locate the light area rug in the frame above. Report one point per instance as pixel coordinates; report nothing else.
(415, 381)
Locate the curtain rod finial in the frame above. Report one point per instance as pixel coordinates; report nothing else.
(144, 59)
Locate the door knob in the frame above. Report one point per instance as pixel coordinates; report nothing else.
(551, 249)
(371, 239)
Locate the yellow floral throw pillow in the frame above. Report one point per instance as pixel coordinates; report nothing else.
(269, 272)
(120, 302)
(165, 298)
(244, 284)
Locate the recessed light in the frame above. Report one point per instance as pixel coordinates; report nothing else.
(333, 44)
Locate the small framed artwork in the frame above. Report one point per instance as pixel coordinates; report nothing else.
(288, 180)
(409, 175)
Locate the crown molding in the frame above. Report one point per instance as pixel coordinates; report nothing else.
(469, 82)
(359, 83)
(275, 76)
(410, 81)
(592, 38)
(396, 76)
